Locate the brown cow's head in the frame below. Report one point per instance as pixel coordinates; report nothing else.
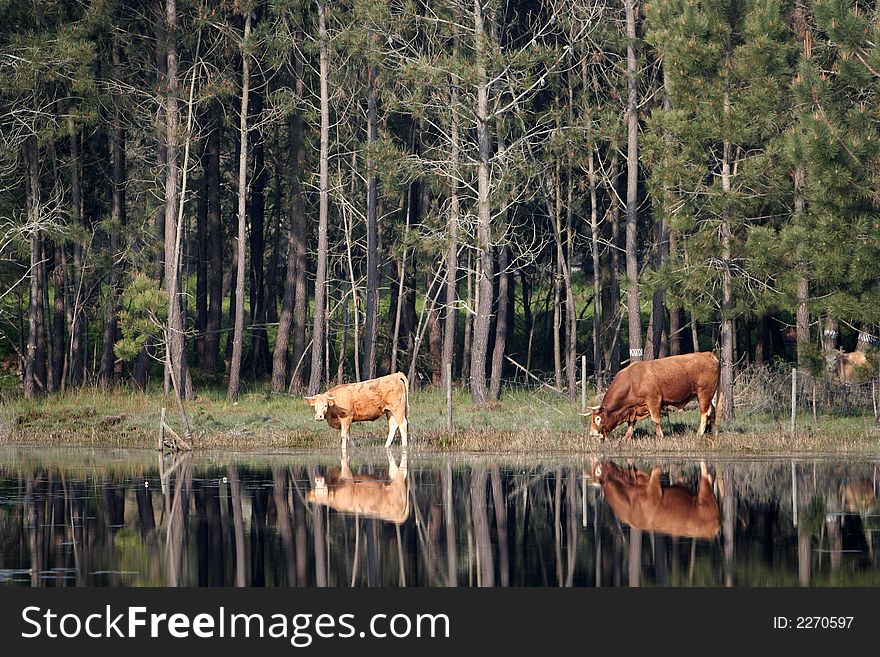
(320, 403)
(601, 423)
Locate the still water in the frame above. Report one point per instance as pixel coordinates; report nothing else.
(79, 518)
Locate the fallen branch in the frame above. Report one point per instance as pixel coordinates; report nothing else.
(543, 383)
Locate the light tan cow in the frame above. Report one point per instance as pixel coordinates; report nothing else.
(639, 500)
(853, 368)
(365, 401)
(365, 495)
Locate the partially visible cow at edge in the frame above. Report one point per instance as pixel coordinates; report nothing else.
(642, 390)
(363, 494)
(641, 501)
(852, 368)
(365, 401)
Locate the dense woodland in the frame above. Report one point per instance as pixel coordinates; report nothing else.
(285, 194)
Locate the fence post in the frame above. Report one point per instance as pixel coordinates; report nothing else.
(584, 385)
(794, 493)
(449, 396)
(793, 399)
(814, 400)
(874, 400)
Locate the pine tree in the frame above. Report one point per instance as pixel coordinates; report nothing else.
(724, 65)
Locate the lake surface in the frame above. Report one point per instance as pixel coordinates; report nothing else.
(118, 518)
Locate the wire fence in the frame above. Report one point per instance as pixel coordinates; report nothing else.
(768, 390)
(758, 389)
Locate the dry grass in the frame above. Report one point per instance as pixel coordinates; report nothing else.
(526, 422)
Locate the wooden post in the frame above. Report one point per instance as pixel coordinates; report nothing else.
(814, 400)
(874, 399)
(794, 502)
(584, 384)
(793, 399)
(449, 396)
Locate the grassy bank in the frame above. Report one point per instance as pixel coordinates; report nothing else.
(525, 421)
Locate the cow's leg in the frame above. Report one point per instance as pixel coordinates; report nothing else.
(655, 418)
(345, 430)
(704, 421)
(392, 429)
(705, 413)
(655, 490)
(629, 430)
(404, 428)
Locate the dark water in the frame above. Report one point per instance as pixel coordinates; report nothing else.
(127, 519)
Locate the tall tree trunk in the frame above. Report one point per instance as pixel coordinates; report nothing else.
(176, 334)
(202, 258)
(728, 335)
(468, 321)
(241, 244)
(610, 284)
(34, 374)
(803, 284)
(483, 318)
(318, 337)
(293, 303)
(597, 267)
(301, 223)
(117, 219)
(256, 212)
(77, 324)
(675, 326)
(214, 229)
(657, 323)
(449, 309)
(371, 306)
(632, 187)
(570, 310)
(500, 324)
(56, 362)
(501, 310)
(55, 373)
(557, 279)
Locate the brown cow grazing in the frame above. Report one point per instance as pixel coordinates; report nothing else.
(639, 500)
(365, 401)
(644, 388)
(366, 495)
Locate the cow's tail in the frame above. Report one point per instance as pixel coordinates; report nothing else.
(717, 400)
(405, 381)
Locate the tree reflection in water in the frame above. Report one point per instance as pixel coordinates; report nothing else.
(199, 521)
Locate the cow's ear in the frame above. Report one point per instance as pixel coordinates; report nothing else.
(310, 400)
(331, 401)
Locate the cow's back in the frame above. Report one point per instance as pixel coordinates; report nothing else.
(368, 400)
(676, 379)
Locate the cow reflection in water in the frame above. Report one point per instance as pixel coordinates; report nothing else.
(364, 494)
(641, 501)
